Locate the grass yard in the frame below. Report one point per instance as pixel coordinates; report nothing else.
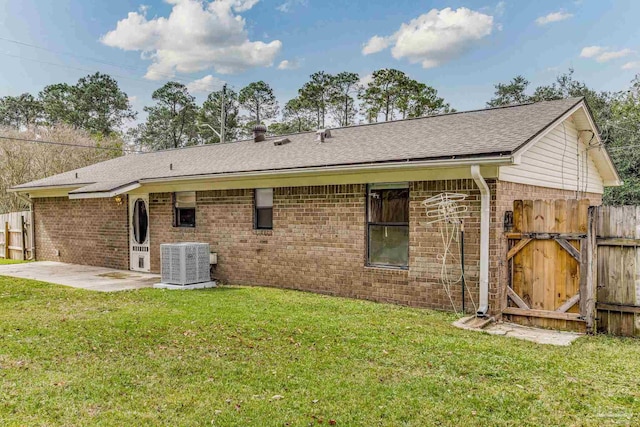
(10, 261)
(236, 356)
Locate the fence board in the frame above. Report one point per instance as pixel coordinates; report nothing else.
(15, 235)
(618, 270)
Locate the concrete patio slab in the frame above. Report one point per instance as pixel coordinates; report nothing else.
(537, 335)
(80, 276)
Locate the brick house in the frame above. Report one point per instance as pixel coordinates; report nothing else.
(337, 212)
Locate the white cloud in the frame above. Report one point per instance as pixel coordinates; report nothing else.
(553, 17)
(631, 65)
(434, 37)
(591, 51)
(240, 5)
(206, 84)
(366, 80)
(603, 54)
(376, 44)
(500, 8)
(294, 64)
(195, 36)
(290, 4)
(613, 54)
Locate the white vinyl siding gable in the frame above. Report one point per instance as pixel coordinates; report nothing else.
(558, 160)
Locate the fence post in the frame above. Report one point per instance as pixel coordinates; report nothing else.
(589, 271)
(6, 240)
(23, 237)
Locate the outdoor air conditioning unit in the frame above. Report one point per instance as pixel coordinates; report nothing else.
(184, 263)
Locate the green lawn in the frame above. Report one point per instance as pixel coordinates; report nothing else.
(237, 356)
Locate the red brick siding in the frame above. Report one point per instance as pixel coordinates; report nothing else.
(88, 232)
(318, 242)
(426, 246)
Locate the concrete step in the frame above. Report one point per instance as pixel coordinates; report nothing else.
(474, 322)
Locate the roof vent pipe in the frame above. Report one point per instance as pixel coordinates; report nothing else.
(259, 133)
(281, 141)
(485, 213)
(322, 134)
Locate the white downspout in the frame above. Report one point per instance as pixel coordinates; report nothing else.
(27, 200)
(485, 214)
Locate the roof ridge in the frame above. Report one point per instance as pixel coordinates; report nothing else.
(500, 107)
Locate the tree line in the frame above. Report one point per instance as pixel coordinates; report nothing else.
(175, 120)
(96, 108)
(95, 104)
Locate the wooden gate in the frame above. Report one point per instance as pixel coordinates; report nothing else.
(550, 273)
(16, 229)
(619, 270)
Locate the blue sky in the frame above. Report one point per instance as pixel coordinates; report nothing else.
(461, 48)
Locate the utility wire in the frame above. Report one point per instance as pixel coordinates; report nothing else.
(88, 70)
(620, 147)
(175, 76)
(66, 144)
(623, 128)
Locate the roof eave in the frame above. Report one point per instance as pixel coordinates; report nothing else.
(502, 159)
(617, 180)
(104, 194)
(46, 187)
(489, 159)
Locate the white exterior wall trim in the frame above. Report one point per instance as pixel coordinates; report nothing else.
(104, 194)
(408, 164)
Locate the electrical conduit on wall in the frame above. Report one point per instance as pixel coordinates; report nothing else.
(485, 213)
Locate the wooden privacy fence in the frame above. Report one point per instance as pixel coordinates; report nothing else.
(16, 230)
(573, 266)
(550, 253)
(619, 270)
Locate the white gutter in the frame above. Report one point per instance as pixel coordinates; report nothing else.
(27, 200)
(485, 213)
(104, 194)
(46, 187)
(498, 160)
(504, 160)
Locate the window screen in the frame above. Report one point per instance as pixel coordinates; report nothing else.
(184, 209)
(263, 217)
(388, 225)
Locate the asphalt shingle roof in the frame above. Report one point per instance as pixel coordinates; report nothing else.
(465, 134)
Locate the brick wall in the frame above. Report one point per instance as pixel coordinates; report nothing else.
(318, 242)
(506, 193)
(89, 232)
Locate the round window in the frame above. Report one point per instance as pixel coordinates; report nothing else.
(140, 221)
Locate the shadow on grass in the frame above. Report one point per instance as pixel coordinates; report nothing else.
(219, 288)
